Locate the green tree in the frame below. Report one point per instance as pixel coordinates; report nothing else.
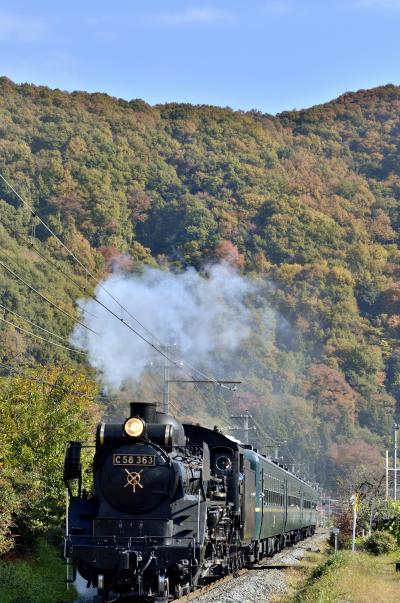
(38, 415)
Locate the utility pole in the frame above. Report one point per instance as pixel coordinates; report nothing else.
(322, 508)
(276, 447)
(165, 389)
(396, 428)
(387, 475)
(394, 466)
(245, 428)
(165, 394)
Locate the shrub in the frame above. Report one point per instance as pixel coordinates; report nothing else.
(344, 522)
(37, 418)
(380, 543)
(344, 540)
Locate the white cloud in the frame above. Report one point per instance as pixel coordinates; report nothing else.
(22, 28)
(391, 5)
(205, 14)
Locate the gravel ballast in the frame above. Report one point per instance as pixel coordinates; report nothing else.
(260, 585)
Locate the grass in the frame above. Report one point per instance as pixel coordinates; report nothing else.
(38, 578)
(348, 577)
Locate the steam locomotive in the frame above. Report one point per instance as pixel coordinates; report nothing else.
(174, 506)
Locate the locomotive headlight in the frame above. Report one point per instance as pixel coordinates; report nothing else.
(223, 463)
(134, 427)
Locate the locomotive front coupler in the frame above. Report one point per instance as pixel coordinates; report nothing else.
(129, 560)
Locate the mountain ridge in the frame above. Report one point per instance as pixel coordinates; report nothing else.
(349, 94)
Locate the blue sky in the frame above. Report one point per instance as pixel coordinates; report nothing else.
(270, 55)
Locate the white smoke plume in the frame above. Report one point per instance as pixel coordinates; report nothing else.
(199, 316)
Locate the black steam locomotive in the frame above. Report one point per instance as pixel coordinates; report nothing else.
(174, 506)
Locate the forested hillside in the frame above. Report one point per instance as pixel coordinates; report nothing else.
(308, 200)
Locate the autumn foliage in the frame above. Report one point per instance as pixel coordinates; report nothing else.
(308, 201)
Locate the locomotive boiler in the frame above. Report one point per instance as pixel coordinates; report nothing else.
(176, 505)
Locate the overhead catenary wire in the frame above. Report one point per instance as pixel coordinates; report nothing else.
(84, 290)
(13, 369)
(160, 389)
(71, 253)
(33, 323)
(157, 348)
(174, 406)
(24, 375)
(46, 299)
(262, 430)
(59, 345)
(198, 389)
(268, 435)
(171, 403)
(59, 269)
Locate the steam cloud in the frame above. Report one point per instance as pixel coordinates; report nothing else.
(199, 316)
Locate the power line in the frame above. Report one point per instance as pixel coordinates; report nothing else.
(174, 406)
(202, 394)
(199, 381)
(46, 299)
(48, 261)
(86, 270)
(13, 369)
(33, 323)
(208, 378)
(35, 215)
(84, 290)
(262, 431)
(155, 382)
(159, 350)
(267, 435)
(59, 345)
(171, 403)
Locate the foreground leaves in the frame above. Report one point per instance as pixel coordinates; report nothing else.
(36, 421)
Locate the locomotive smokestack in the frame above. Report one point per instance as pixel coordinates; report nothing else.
(144, 410)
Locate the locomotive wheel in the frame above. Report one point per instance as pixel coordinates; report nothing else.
(163, 589)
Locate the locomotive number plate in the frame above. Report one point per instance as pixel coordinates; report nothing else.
(134, 459)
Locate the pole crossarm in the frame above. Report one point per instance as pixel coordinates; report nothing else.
(201, 381)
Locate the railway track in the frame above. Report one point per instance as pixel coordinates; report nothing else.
(222, 581)
(209, 587)
(284, 560)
